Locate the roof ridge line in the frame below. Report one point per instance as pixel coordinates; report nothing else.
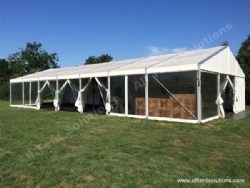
(129, 63)
(163, 60)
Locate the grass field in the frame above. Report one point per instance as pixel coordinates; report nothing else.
(66, 149)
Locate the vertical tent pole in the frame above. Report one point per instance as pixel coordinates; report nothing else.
(228, 60)
(236, 92)
(218, 91)
(93, 92)
(38, 91)
(199, 114)
(146, 94)
(30, 95)
(109, 91)
(126, 94)
(57, 97)
(23, 91)
(80, 87)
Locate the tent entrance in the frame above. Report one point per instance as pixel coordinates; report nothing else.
(96, 97)
(94, 101)
(227, 98)
(69, 97)
(47, 95)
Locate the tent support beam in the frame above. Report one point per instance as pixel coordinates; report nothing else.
(57, 86)
(38, 91)
(109, 91)
(80, 87)
(199, 114)
(30, 94)
(146, 95)
(126, 95)
(218, 92)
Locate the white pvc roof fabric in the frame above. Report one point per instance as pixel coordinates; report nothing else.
(218, 59)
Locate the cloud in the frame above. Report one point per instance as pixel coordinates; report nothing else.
(154, 50)
(179, 50)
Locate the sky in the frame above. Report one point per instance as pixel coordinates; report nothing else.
(125, 29)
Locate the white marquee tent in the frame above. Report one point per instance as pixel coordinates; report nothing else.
(193, 86)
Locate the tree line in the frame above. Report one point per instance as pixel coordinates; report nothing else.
(33, 58)
(28, 60)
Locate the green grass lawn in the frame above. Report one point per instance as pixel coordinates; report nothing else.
(65, 149)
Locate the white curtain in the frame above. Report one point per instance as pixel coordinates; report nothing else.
(59, 96)
(105, 100)
(219, 101)
(39, 99)
(80, 101)
(74, 90)
(80, 96)
(234, 98)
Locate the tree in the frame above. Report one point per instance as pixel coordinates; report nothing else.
(16, 65)
(90, 60)
(225, 43)
(100, 59)
(32, 59)
(243, 58)
(28, 60)
(4, 79)
(4, 68)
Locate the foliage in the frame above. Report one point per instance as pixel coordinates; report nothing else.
(225, 43)
(244, 60)
(61, 149)
(4, 79)
(33, 59)
(28, 60)
(100, 59)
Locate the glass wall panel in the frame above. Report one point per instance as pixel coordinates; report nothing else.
(182, 85)
(208, 95)
(136, 94)
(101, 91)
(94, 96)
(62, 88)
(117, 89)
(26, 93)
(16, 94)
(85, 95)
(73, 93)
(34, 93)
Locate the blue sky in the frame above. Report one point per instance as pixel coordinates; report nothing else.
(76, 29)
